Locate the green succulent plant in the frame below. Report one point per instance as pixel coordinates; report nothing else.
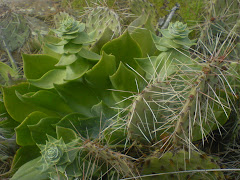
(56, 154)
(122, 105)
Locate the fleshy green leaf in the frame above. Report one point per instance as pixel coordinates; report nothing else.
(126, 81)
(5, 71)
(98, 76)
(125, 49)
(66, 134)
(23, 135)
(71, 121)
(47, 100)
(50, 52)
(148, 65)
(43, 128)
(35, 66)
(102, 110)
(15, 107)
(7, 122)
(55, 76)
(23, 155)
(89, 54)
(78, 96)
(67, 59)
(106, 36)
(143, 38)
(140, 30)
(137, 23)
(77, 69)
(72, 48)
(31, 171)
(86, 127)
(56, 49)
(82, 38)
(70, 36)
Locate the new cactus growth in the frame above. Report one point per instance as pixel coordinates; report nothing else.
(172, 165)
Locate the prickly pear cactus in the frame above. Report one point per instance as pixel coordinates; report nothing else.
(14, 30)
(100, 20)
(142, 6)
(172, 165)
(123, 108)
(184, 101)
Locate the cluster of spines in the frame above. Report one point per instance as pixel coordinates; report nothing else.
(123, 164)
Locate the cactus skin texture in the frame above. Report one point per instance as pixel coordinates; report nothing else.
(174, 161)
(14, 30)
(139, 7)
(100, 20)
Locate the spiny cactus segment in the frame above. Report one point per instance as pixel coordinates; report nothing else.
(142, 6)
(100, 19)
(184, 102)
(14, 30)
(174, 162)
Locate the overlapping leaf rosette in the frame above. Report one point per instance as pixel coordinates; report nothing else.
(55, 153)
(176, 36)
(71, 48)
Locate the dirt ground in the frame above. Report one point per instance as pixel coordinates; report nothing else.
(33, 7)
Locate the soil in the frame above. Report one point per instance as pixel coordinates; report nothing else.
(33, 7)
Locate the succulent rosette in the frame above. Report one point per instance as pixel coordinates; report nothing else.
(56, 153)
(176, 36)
(70, 54)
(69, 28)
(176, 30)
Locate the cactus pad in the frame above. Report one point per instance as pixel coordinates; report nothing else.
(181, 160)
(14, 30)
(101, 18)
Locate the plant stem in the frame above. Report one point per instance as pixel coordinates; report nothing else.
(170, 16)
(13, 62)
